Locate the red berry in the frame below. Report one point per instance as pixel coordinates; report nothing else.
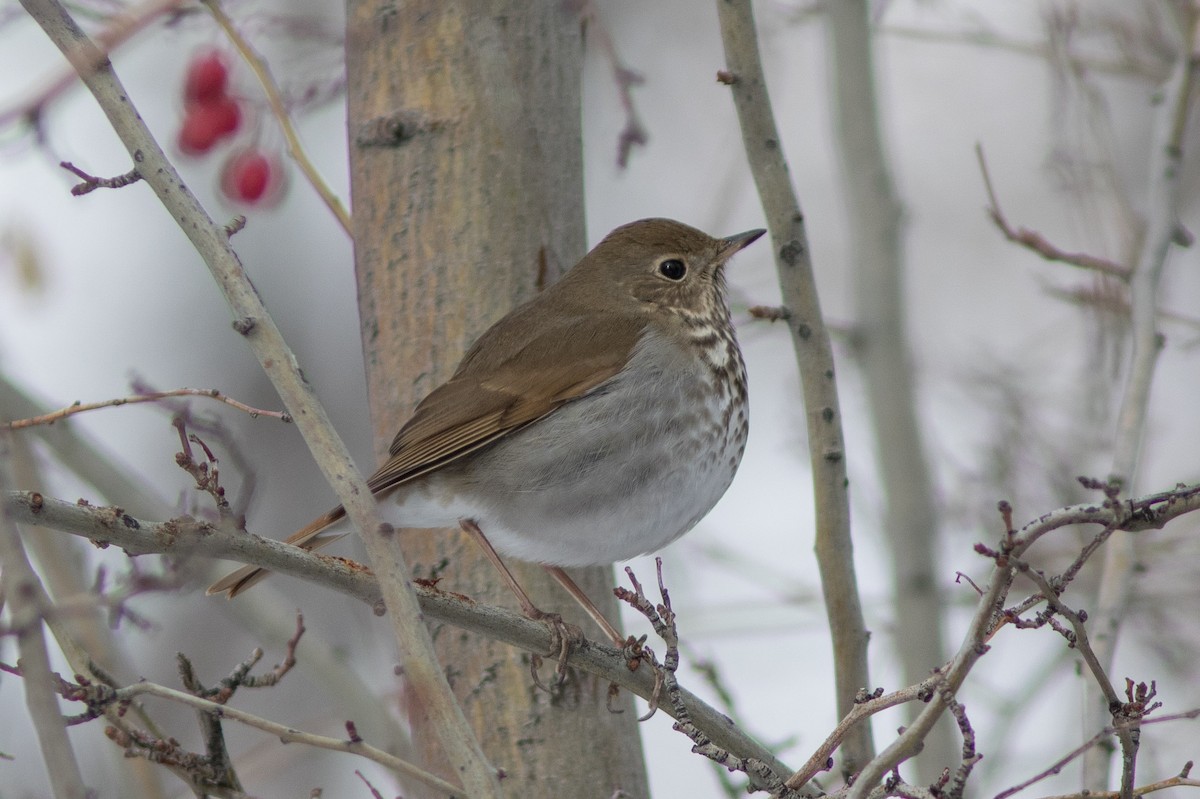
(207, 77)
(200, 131)
(206, 124)
(251, 177)
(227, 114)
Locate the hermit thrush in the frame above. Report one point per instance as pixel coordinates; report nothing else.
(598, 421)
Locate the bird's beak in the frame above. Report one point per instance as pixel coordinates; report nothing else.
(732, 244)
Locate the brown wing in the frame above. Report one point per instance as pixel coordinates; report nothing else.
(505, 383)
(507, 380)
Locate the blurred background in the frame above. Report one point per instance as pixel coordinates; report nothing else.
(1018, 362)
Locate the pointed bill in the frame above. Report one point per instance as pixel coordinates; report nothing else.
(736, 243)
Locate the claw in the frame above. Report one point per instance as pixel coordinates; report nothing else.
(563, 638)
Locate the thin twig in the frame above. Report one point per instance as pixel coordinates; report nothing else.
(280, 112)
(662, 618)
(1080, 640)
(288, 734)
(1065, 760)
(634, 133)
(87, 59)
(1032, 240)
(91, 182)
(153, 396)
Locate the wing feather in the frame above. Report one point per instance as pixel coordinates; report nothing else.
(507, 380)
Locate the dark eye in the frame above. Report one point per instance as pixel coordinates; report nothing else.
(672, 269)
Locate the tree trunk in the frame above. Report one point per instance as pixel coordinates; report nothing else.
(467, 178)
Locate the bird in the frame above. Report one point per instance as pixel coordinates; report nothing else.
(598, 421)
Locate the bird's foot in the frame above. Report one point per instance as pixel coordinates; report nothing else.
(564, 637)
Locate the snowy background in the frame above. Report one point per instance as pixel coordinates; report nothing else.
(1015, 384)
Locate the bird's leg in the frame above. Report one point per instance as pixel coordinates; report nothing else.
(586, 603)
(563, 635)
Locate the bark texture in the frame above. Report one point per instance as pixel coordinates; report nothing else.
(467, 179)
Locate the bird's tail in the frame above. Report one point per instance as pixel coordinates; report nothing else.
(311, 536)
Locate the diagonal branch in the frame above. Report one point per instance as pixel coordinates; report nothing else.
(1032, 240)
(424, 674)
(810, 338)
(27, 603)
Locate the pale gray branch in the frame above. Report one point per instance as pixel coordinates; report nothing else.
(190, 538)
(810, 338)
(422, 670)
(882, 349)
(1116, 582)
(27, 602)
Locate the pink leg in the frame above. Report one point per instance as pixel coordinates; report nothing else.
(586, 603)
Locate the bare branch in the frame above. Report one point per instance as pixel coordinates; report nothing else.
(810, 339)
(191, 538)
(762, 774)
(1032, 240)
(288, 734)
(1165, 175)
(990, 614)
(868, 705)
(152, 396)
(27, 602)
(1064, 761)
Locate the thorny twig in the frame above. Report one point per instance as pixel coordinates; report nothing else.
(662, 619)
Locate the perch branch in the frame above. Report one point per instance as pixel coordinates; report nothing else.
(191, 538)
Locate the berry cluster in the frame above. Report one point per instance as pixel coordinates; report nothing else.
(250, 175)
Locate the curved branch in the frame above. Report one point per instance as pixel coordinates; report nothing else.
(1144, 513)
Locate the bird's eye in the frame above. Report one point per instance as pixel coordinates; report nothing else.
(672, 269)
